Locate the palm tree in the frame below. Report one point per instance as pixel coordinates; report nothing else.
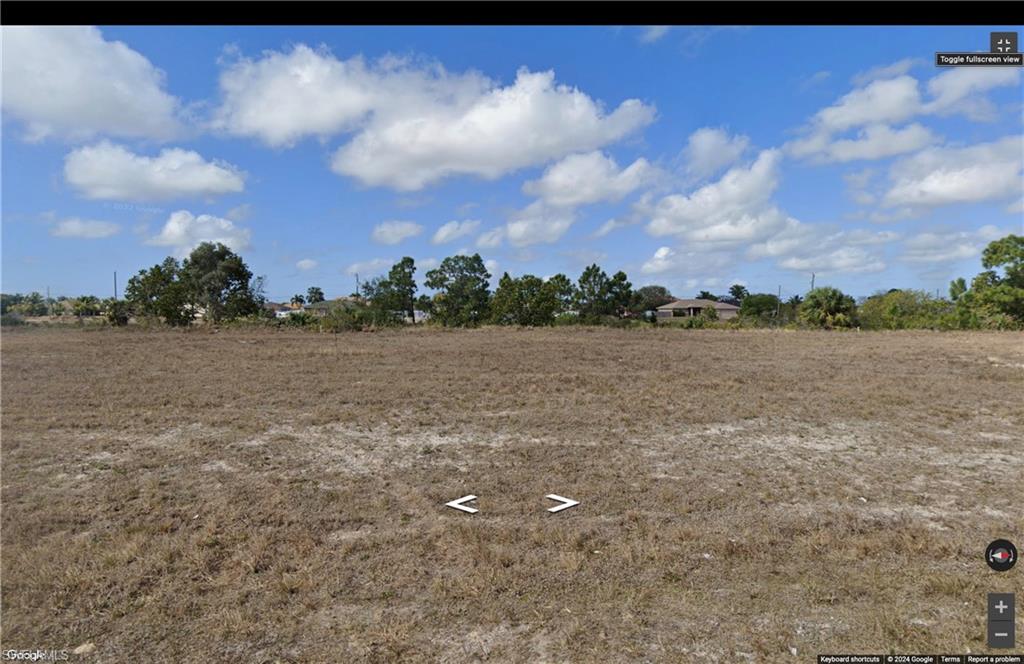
(828, 307)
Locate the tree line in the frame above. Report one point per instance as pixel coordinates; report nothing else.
(215, 285)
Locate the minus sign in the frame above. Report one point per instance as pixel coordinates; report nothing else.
(1002, 633)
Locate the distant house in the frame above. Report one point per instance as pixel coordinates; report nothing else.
(279, 309)
(327, 306)
(682, 308)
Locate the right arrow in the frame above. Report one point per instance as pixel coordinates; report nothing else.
(457, 504)
(566, 502)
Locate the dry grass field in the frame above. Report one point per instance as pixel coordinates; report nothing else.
(756, 496)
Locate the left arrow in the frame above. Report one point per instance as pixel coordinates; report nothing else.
(457, 504)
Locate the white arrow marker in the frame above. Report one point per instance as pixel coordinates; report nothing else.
(566, 502)
(457, 504)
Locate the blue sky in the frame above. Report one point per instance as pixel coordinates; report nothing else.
(688, 157)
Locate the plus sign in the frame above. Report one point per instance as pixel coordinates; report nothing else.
(1001, 606)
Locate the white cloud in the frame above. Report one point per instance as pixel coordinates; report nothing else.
(859, 236)
(454, 230)
(843, 259)
(879, 102)
(889, 96)
(371, 267)
(491, 239)
(876, 142)
(415, 123)
(84, 228)
(1016, 208)
(734, 220)
(592, 177)
(733, 209)
(709, 150)
(661, 261)
(286, 97)
(653, 33)
(609, 226)
(500, 130)
(941, 176)
(492, 266)
(961, 90)
(669, 261)
(538, 223)
(111, 172)
(184, 231)
(306, 264)
(69, 82)
(427, 263)
(393, 232)
(885, 71)
(948, 247)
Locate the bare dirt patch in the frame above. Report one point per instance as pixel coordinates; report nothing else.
(279, 497)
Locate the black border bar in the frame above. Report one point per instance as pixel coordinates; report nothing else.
(508, 12)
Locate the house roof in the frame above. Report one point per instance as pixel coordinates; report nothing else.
(697, 304)
(331, 304)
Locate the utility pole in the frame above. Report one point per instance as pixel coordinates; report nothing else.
(115, 284)
(358, 294)
(49, 305)
(778, 303)
(812, 281)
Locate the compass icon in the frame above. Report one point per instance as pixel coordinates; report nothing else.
(1001, 555)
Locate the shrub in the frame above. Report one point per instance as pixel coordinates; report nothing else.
(118, 312)
(828, 307)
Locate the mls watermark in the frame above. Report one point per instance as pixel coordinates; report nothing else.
(131, 207)
(36, 655)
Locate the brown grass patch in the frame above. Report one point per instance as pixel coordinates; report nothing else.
(279, 496)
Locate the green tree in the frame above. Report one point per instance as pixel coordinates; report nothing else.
(402, 282)
(213, 278)
(118, 311)
(706, 295)
(159, 292)
(620, 293)
(32, 304)
(957, 288)
(463, 293)
(314, 295)
(598, 295)
(738, 292)
(298, 300)
(219, 281)
(592, 293)
(395, 293)
(565, 292)
(828, 307)
(425, 303)
(759, 305)
(997, 300)
(527, 300)
(87, 305)
(649, 298)
(904, 309)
